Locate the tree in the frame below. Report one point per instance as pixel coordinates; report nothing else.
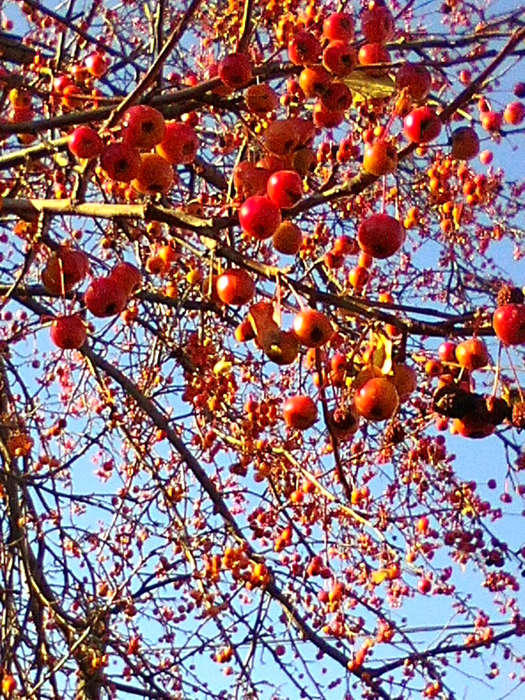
(257, 274)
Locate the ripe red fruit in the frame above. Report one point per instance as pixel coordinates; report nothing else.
(491, 121)
(377, 24)
(326, 118)
(259, 217)
(447, 351)
(287, 238)
(304, 48)
(424, 585)
(415, 78)
(312, 327)
(155, 175)
(97, 64)
(373, 53)
(126, 276)
(380, 158)
(514, 113)
(180, 143)
(377, 400)
(339, 26)
(509, 324)
(422, 125)
(337, 97)
(84, 142)
(339, 58)
(465, 143)
(235, 287)
(144, 127)
(121, 162)
(380, 236)
(235, 70)
(299, 412)
(472, 354)
(285, 188)
(68, 332)
(104, 297)
(314, 80)
(283, 136)
(64, 269)
(261, 99)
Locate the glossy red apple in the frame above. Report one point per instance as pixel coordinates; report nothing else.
(339, 26)
(377, 399)
(285, 188)
(422, 125)
(235, 287)
(380, 235)
(259, 217)
(312, 327)
(180, 143)
(104, 297)
(84, 142)
(143, 127)
(509, 324)
(299, 412)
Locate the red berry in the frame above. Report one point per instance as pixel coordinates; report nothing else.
(126, 276)
(144, 127)
(299, 412)
(380, 158)
(155, 175)
(339, 26)
(84, 142)
(68, 332)
(314, 80)
(377, 399)
(235, 287)
(235, 70)
(121, 162)
(377, 24)
(373, 53)
(304, 48)
(491, 121)
(285, 188)
(509, 324)
(259, 217)
(180, 143)
(64, 269)
(424, 585)
(312, 327)
(105, 297)
(472, 354)
(97, 64)
(339, 58)
(415, 78)
(514, 113)
(380, 236)
(337, 97)
(422, 125)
